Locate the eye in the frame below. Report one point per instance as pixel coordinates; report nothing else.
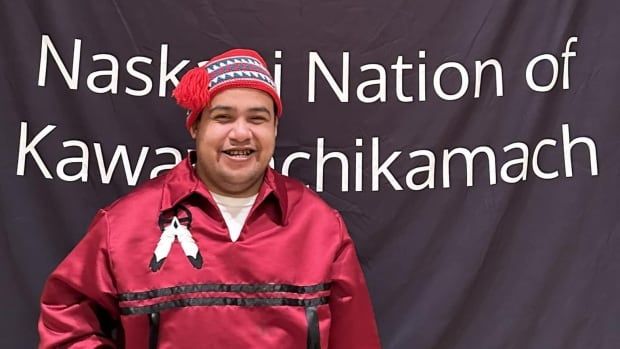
(258, 119)
(221, 117)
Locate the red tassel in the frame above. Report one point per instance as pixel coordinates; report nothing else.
(192, 92)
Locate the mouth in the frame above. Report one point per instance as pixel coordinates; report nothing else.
(239, 153)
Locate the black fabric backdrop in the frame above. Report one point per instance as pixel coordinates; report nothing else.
(530, 262)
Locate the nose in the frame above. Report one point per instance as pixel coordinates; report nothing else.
(241, 131)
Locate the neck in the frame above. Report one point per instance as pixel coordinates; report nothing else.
(234, 190)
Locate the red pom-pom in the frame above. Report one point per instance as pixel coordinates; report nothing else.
(192, 92)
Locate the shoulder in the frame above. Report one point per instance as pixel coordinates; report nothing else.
(301, 197)
(146, 195)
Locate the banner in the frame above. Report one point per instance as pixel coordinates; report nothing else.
(472, 148)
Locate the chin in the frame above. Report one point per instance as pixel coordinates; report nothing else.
(245, 180)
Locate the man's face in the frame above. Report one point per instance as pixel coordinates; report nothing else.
(235, 138)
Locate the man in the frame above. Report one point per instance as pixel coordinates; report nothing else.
(219, 252)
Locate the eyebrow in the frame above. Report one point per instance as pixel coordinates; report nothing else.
(252, 110)
(260, 110)
(221, 107)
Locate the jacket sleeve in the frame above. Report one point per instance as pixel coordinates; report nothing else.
(353, 322)
(78, 300)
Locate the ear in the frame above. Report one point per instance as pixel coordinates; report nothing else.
(193, 130)
(276, 126)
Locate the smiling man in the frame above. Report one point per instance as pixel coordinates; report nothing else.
(235, 139)
(220, 252)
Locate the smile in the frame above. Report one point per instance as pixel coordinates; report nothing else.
(239, 153)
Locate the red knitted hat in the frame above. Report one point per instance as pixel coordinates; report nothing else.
(233, 68)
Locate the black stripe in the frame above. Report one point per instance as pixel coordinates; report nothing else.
(313, 340)
(220, 301)
(153, 330)
(237, 288)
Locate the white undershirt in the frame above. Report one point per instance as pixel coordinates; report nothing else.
(234, 211)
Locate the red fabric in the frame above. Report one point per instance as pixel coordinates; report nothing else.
(192, 93)
(290, 237)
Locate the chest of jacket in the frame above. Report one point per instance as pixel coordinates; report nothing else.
(272, 284)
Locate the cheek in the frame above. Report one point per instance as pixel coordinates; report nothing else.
(268, 143)
(266, 135)
(210, 140)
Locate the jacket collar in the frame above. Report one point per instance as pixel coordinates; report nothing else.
(182, 182)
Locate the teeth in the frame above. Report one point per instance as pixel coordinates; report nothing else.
(245, 152)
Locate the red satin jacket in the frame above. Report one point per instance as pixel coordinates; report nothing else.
(292, 280)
